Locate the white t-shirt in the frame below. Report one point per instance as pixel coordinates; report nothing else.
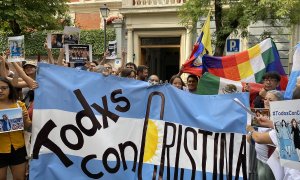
(289, 174)
(262, 149)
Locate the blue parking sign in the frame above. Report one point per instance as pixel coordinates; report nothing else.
(233, 45)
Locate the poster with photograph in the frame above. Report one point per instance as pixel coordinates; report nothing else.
(112, 50)
(286, 117)
(71, 35)
(76, 53)
(11, 120)
(16, 49)
(259, 112)
(55, 41)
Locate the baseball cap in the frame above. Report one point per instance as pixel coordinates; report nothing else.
(32, 63)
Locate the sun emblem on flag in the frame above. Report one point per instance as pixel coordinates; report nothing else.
(154, 140)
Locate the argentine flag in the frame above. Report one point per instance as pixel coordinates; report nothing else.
(294, 74)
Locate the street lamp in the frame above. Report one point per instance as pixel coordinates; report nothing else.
(104, 13)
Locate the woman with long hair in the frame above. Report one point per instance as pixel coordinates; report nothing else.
(296, 135)
(12, 147)
(285, 138)
(262, 150)
(177, 82)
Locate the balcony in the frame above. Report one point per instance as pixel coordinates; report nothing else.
(150, 3)
(127, 6)
(92, 1)
(132, 3)
(150, 6)
(92, 6)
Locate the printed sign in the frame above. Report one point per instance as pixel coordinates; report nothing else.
(259, 112)
(78, 53)
(112, 49)
(233, 45)
(71, 35)
(55, 41)
(11, 120)
(286, 117)
(16, 49)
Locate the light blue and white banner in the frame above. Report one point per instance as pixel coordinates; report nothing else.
(89, 126)
(295, 73)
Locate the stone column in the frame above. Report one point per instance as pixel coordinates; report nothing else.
(188, 41)
(129, 45)
(73, 16)
(118, 23)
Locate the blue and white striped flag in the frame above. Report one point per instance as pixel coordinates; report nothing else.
(294, 74)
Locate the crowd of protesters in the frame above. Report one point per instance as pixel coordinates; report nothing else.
(17, 90)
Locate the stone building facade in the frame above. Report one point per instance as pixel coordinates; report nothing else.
(150, 32)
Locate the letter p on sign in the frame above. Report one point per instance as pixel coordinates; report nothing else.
(233, 45)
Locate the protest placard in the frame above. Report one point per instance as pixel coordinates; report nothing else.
(16, 49)
(55, 41)
(286, 117)
(71, 35)
(112, 49)
(11, 120)
(76, 53)
(259, 112)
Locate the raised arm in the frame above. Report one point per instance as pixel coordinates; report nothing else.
(123, 59)
(123, 62)
(102, 62)
(61, 57)
(259, 137)
(3, 71)
(32, 84)
(16, 81)
(49, 53)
